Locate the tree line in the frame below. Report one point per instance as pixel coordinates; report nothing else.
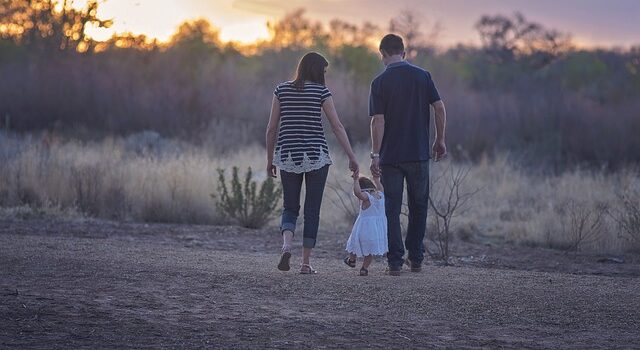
(527, 90)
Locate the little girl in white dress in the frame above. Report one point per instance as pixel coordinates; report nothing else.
(369, 233)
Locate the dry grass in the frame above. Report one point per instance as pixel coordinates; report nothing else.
(538, 210)
(144, 178)
(114, 179)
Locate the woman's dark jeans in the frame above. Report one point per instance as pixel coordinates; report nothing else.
(314, 188)
(393, 177)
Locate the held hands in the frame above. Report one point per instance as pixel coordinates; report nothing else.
(353, 166)
(375, 167)
(439, 150)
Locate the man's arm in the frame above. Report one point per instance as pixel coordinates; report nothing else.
(377, 132)
(439, 146)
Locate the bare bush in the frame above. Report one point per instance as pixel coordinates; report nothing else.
(628, 217)
(243, 203)
(447, 198)
(87, 181)
(345, 201)
(115, 204)
(583, 224)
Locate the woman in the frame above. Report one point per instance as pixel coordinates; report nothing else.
(296, 144)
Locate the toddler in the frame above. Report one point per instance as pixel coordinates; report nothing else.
(369, 234)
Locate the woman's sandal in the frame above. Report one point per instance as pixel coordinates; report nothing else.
(364, 272)
(349, 262)
(283, 265)
(306, 269)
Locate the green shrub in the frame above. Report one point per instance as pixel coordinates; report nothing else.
(243, 203)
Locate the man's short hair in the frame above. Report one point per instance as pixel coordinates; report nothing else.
(392, 44)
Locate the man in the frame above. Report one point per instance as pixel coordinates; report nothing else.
(399, 105)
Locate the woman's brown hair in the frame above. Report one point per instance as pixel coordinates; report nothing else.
(311, 68)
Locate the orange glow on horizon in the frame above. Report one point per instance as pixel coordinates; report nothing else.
(245, 21)
(245, 33)
(159, 19)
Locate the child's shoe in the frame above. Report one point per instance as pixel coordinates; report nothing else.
(349, 262)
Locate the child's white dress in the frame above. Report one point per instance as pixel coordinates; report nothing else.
(369, 233)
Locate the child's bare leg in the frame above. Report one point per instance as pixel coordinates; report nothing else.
(367, 261)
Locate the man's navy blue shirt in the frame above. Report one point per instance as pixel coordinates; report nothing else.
(403, 94)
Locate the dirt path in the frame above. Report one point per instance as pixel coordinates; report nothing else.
(64, 288)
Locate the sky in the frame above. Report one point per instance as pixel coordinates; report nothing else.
(602, 23)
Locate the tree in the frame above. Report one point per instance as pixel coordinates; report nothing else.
(507, 38)
(342, 33)
(194, 42)
(196, 33)
(128, 40)
(407, 24)
(295, 31)
(49, 25)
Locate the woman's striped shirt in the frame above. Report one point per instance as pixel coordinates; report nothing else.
(301, 145)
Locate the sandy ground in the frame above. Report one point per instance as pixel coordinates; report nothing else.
(108, 285)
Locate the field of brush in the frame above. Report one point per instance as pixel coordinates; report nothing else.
(145, 178)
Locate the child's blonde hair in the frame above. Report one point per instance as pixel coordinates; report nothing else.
(366, 183)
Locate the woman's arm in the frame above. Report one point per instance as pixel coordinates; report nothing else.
(271, 135)
(338, 129)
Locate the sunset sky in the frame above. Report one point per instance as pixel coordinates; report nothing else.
(592, 22)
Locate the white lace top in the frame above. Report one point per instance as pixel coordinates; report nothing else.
(301, 146)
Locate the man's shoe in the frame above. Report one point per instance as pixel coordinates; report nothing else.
(413, 266)
(393, 271)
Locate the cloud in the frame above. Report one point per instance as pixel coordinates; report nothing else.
(263, 7)
(599, 22)
(275, 8)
